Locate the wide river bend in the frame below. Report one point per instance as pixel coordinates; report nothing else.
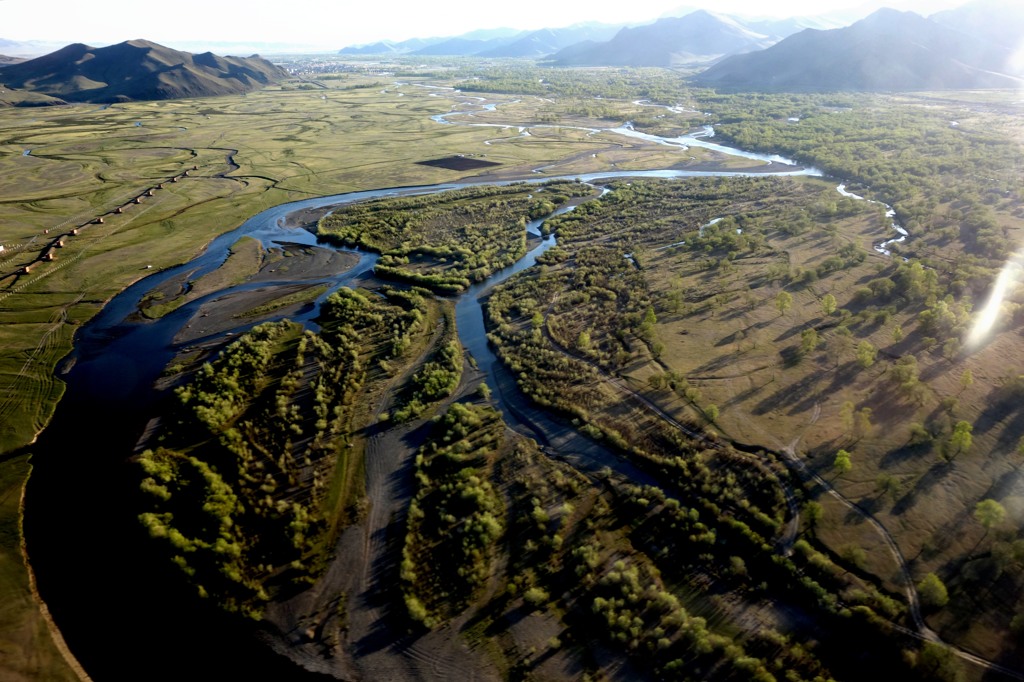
(120, 609)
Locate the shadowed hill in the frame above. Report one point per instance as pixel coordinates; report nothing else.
(137, 70)
(887, 51)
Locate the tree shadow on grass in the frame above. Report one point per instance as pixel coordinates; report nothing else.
(731, 338)
(714, 365)
(744, 395)
(790, 395)
(737, 311)
(791, 332)
(931, 478)
(872, 505)
(936, 369)
(1003, 405)
(838, 378)
(904, 454)
(1010, 483)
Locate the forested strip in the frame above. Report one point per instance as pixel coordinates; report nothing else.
(587, 313)
(243, 486)
(448, 241)
(456, 516)
(437, 378)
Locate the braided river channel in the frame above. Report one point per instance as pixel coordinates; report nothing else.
(122, 610)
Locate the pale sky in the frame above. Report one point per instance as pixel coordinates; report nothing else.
(332, 24)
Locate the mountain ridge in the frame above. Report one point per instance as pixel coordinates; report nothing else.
(872, 54)
(698, 36)
(137, 70)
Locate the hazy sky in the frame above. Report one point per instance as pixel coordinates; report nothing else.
(332, 24)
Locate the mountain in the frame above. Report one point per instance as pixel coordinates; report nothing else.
(993, 21)
(493, 33)
(9, 97)
(137, 70)
(698, 36)
(547, 41)
(887, 51)
(381, 47)
(463, 47)
(783, 28)
(391, 47)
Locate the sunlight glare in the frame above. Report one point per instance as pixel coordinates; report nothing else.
(990, 314)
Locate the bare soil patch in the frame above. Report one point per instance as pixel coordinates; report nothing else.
(298, 261)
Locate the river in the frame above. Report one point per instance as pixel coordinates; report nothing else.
(122, 609)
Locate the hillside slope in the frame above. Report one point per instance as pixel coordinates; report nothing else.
(887, 51)
(137, 70)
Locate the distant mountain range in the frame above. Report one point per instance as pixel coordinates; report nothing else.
(698, 36)
(970, 47)
(496, 43)
(137, 70)
(975, 46)
(689, 35)
(978, 45)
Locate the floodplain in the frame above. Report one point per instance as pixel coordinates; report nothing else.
(793, 394)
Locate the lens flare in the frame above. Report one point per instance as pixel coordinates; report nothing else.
(990, 314)
(1015, 64)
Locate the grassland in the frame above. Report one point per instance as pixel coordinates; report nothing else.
(752, 307)
(62, 167)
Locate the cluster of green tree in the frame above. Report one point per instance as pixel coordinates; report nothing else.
(525, 78)
(595, 302)
(894, 149)
(640, 562)
(689, 545)
(349, 316)
(587, 318)
(943, 180)
(542, 502)
(628, 566)
(456, 517)
(990, 577)
(640, 613)
(247, 483)
(717, 216)
(559, 562)
(587, 279)
(211, 492)
(436, 379)
(449, 240)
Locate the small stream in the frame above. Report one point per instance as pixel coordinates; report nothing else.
(890, 213)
